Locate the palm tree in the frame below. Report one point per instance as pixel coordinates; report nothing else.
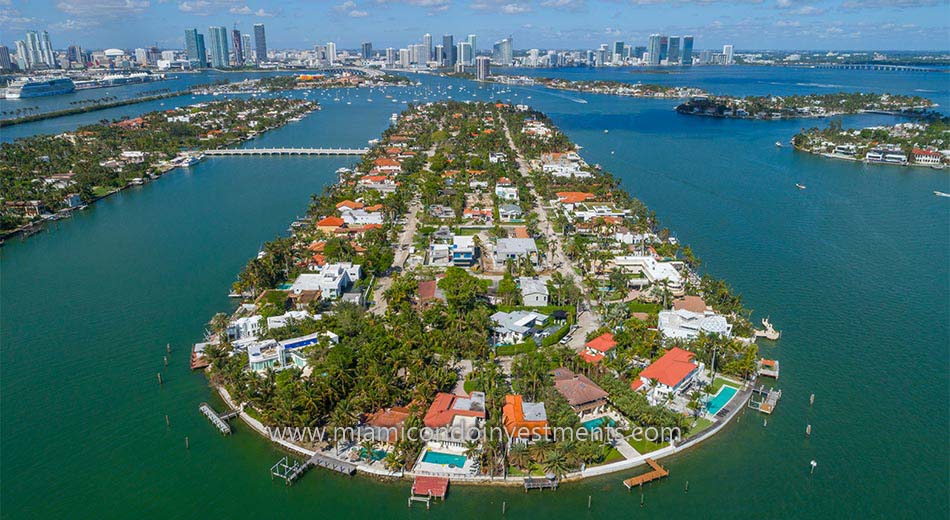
(520, 456)
(471, 449)
(556, 462)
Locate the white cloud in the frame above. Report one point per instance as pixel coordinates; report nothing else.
(103, 8)
(194, 7)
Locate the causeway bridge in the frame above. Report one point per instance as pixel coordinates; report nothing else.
(286, 151)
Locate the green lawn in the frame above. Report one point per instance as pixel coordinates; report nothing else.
(101, 191)
(717, 384)
(535, 471)
(649, 308)
(612, 456)
(701, 424)
(644, 446)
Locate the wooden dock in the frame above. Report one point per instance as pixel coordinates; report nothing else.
(539, 483)
(764, 399)
(768, 368)
(291, 472)
(424, 489)
(220, 422)
(657, 473)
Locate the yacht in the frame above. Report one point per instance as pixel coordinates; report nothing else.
(800, 186)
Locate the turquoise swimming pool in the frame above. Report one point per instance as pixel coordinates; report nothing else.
(445, 459)
(600, 422)
(722, 397)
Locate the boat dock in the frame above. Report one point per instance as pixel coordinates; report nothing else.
(657, 473)
(292, 472)
(764, 399)
(768, 367)
(539, 483)
(769, 331)
(219, 421)
(424, 489)
(287, 151)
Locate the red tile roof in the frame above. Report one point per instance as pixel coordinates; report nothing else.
(573, 197)
(330, 222)
(672, 368)
(514, 420)
(690, 303)
(442, 412)
(602, 343)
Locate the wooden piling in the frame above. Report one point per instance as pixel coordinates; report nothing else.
(808, 430)
(168, 423)
(166, 361)
(588, 502)
(811, 400)
(186, 443)
(168, 348)
(504, 507)
(687, 487)
(160, 379)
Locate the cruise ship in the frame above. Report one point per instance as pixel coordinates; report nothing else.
(113, 80)
(36, 87)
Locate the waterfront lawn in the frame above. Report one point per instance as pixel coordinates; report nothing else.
(644, 446)
(649, 308)
(101, 191)
(612, 456)
(717, 384)
(534, 471)
(701, 424)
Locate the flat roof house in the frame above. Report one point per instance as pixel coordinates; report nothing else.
(515, 327)
(463, 250)
(684, 324)
(514, 249)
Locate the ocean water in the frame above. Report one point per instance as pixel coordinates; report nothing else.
(853, 270)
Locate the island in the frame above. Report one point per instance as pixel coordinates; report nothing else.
(616, 88)
(45, 177)
(473, 302)
(280, 83)
(921, 143)
(803, 106)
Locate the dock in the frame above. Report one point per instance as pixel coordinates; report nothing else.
(540, 483)
(768, 368)
(219, 421)
(764, 399)
(291, 472)
(287, 151)
(424, 489)
(657, 473)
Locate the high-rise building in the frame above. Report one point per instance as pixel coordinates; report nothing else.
(618, 52)
(404, 58)
(74, 54)
(391, 55)
(639, 51)
(218, 37)
(471, 41)
(141, 57)
(22, 56)
(246, 47)
(5, 63)
(503, 53)
(331, 52)
(366, 50)
(439, 56)
(448, 48)
(427, 41)
(482, 68)
(238, 43)
(34, 54)
(664, 49)
(260, 44)
(674, 53)
(464, 51)
(49, 57)
(195, 47)
(687, 58)
(653, 48)
(727, 54)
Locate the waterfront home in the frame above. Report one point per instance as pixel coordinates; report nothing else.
(585, 211)
(348, 205)
(330, 224)
(244, 328)
(566, 164)
(73, 200)
(26, 208)
(654, 271)
(584, 396)
(385, 164)
(514, 327)
(516, 249)
(928, 157)
(684, 324)
(670, 374)
(566, 198)
(599, 348)
(534, 291)
(332, 281)
(463, 250)
(276, 322)
(456, 418)
(510, 212)
(690, 303)
(536, 128)
(361, 217)
(283, 354)
(846, 149)
(506, 192)
(387, 424)
(524, 421)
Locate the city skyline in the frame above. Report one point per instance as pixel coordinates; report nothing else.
(560, 24)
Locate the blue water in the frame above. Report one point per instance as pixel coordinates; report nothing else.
(151, 265)
(722, 397)
(446, 459)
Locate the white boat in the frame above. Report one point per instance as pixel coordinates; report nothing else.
(800, 186)
(941, 194)
(38, 87)
(778, 144)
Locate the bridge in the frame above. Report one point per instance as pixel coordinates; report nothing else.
(875, 66)
(287, 151)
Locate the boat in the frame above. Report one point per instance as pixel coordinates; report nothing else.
(38, 87)
(941, 194)
(606, 131)
(800, 186)
(778, 144)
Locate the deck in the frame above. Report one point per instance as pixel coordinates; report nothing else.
(424, 489)
(657, 473)
(765, 399)
(539, 483)
(218, 421)
(291, 472)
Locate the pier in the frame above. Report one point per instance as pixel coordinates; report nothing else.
(286, 151)
(292, 472)
(424, 489)
(219, 421)
(540, 483)
(764, 399)
(768, 367)
(657, 473)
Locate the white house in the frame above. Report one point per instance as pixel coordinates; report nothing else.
(654, 271)
(244, 328)
(276, 322)
(684, 324)
(515, 327)
(506, 192)
(514, 249)
(361, 217)
(534, 291)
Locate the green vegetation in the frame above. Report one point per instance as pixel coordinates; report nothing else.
(810, 105)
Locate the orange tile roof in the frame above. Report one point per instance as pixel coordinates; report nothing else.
(349, 204)
(388, 417)
(521, 232)
(330, 222)
(573, 197)
(515, 423)
(593, 359)
(690, 303)
(442, 411)
(317, 246)
(602, 343)
(385, 161)
(374, 207)
(671, 368)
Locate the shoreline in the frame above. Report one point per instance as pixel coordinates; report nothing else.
(94, 108)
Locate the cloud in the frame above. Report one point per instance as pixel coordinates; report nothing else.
(103, 8)
(247, 11)
(349, 8)
(574, 5)
(501, 6)
(194, 7)
(12, 19)
(894, 4)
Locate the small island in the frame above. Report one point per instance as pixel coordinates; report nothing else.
(474, 302)
(615, 88)
(803, 106)
(921, 143)
(286, 82)
(44, 177)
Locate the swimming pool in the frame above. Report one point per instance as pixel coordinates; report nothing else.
(445, 459)
(600, 422)
(722, 397)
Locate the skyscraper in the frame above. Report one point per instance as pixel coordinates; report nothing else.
(439, 56)
(366, 50)
(5, 63)
(49, 57)
(664, 49)
(502, 52)
(391, 55)
(22, 56)
(471, 41)
(687, 58)
(448, 47)
(331, 52)
(727, 54)
(238, 45)
(639, 51)
(34, 55)
(674, 53)
(653, 48)
(405, 58)
(246, 47)
(195, 47)
(427, 41)
(482, 68)
(260, 44)
(618, 51)
(464, 52)
(219, 46)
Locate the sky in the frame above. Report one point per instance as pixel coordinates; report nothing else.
(559, 24)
